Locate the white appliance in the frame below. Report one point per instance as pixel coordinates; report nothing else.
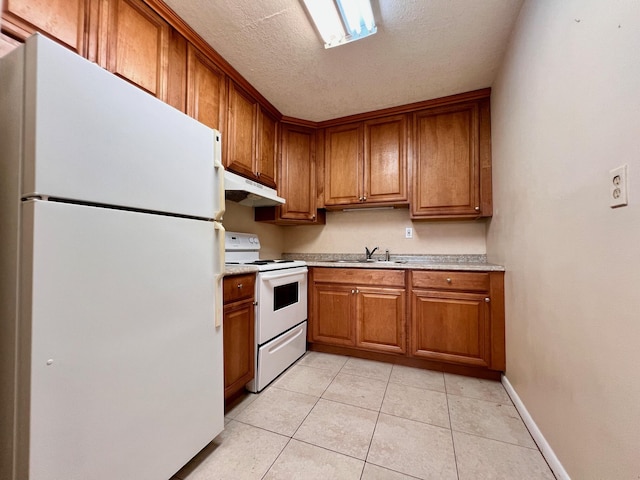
(281, 308)
(249, 193)
(110, 260)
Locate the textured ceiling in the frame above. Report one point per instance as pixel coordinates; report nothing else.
(424, 49)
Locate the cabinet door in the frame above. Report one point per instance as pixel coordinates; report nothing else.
(239, 355)
(61, 20)
(177, 71)
(385, 160)
(380, 323)
(451, 326)
(241, 132)
(206, 90)
(343, 165)
(446, 169)
(267, 142)
(136, 45)
(333, 313)
(297, 174)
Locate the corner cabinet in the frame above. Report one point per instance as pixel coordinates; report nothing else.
(360, 308)
(452, 162)
(238, 332)
(296, 180)
(365, 163)
(458, 317)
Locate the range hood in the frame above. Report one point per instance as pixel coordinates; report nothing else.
(249, 193)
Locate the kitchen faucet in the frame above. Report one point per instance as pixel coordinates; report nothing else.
(369, 253)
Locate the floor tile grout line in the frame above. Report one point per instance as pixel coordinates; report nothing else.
(276, 459)
(393, 470)
(453, 442)
(497, 440)
(373, 434)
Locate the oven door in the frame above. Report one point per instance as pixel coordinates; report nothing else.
(282, 301)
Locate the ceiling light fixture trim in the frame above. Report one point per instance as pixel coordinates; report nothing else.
(341, 21)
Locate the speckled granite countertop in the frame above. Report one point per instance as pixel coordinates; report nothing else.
(239, 269)
(475, 263)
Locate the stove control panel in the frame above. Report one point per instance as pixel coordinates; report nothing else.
(236, 241)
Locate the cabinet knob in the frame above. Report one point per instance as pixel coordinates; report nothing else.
(258, 175)
(313, 217)
(359, 199)
(448, 280)
(239, 285)
(364, 199)
(487, 299)
(477, 209)
(353, 290)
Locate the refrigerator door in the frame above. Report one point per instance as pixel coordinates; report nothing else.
(126, 363)
(91, 136)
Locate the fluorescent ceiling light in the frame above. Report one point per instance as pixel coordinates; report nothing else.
(341, 21)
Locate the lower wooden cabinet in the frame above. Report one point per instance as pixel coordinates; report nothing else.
(458, 317)
(238, 332)
(444, 320)
(360, 308)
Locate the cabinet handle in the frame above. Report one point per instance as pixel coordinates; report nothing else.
(477, 209)
(258, 175)
(313, 217)
(448, 280)
(239, 285)
(487, 299)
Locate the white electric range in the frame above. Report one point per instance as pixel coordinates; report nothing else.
(281, 307)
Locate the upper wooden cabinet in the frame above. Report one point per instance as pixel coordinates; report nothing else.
(296, 179)
(135, 45)
(61, 20)
(241, 132)
(385, 160)
(343, 168)
(366, 163)
(452, 162)
(267, 146)
(206, 90)
(251, 138)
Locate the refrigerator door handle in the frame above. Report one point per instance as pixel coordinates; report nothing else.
(221, 250)
(217, 164)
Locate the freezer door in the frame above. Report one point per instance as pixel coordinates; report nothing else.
(126, 363)
(93, 137)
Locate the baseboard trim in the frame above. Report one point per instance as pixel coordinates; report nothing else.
(543, 445)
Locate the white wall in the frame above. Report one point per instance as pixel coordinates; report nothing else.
(566, 110)
(350, 232)
(239, 218)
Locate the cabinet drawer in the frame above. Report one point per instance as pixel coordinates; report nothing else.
(238, 287)
(359, 276)
(450, 280)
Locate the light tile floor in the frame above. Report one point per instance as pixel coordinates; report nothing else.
(333, 417)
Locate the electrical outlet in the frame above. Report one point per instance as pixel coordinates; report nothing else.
(408, 232)
(618, 187)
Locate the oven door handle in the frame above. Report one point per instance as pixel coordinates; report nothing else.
(291, 273)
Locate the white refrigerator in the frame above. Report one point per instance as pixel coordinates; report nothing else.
(111, 258)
